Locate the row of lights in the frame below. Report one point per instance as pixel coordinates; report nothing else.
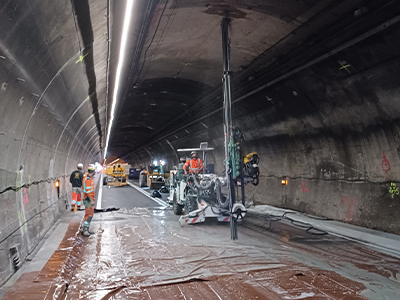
(127, 20)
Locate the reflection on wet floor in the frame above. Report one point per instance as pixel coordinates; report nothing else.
(144, 253)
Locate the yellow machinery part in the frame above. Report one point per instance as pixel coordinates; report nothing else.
(248, 157)
(116, 173)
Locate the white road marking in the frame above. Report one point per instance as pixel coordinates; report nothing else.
(99, 197)
(148, 195)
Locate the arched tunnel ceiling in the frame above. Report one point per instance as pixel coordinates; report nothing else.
(174, 77)
(65, 57)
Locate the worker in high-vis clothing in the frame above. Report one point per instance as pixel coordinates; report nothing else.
(76, 180)
(194, 164)
(88, 199)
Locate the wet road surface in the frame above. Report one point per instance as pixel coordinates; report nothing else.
(144, 253)
(126, 197)
(164, 196)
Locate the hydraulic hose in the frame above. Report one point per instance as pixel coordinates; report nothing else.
(192, 178)
(222, 203)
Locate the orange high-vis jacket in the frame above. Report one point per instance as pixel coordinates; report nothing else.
(88, 188)
(193, 164)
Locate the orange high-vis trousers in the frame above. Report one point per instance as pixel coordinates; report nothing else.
(76, 197)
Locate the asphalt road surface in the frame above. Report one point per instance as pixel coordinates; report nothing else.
(125, 197)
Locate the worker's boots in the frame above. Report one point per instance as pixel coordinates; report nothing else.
(86, 232)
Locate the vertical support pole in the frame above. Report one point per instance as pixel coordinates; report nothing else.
(241, 172)
(228, 119)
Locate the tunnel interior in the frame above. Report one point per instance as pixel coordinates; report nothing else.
(315, 88)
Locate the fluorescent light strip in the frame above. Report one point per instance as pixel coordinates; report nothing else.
(128, 14)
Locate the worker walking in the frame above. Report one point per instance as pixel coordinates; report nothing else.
(76, 179)
(88, 199)
(194, 164)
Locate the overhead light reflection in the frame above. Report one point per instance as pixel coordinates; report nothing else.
(113, 161)
(128, 14)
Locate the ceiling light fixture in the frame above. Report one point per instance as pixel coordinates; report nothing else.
(127, 20)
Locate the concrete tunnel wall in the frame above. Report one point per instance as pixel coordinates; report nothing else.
(333, 133)
(47, 122)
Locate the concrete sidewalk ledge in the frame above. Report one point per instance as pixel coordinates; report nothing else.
(386, 242)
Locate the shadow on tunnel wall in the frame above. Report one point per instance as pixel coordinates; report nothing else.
(83, 21)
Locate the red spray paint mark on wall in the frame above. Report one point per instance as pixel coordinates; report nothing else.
(385, 163)
(26, 199)
(351, 204)
(304, 189)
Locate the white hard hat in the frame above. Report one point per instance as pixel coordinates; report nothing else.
(194, 152)
(91, 168)
(80, 166)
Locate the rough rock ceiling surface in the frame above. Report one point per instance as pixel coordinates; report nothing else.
(194, 52)
(269, 39)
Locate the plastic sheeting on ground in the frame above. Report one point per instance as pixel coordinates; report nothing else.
(145, 254)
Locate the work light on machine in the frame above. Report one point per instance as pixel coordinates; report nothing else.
(284, 181)
(155, 163)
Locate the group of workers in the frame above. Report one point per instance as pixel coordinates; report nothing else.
(84, 183)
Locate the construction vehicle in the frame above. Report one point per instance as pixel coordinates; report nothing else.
(154, 179)
(115, 175)
(198, 196)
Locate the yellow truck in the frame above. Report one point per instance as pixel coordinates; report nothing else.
(116, 175)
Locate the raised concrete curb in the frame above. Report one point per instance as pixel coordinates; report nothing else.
(383, 241)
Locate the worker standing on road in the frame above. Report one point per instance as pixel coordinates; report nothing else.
(76, 179)
(194, 164)
(88, 199)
